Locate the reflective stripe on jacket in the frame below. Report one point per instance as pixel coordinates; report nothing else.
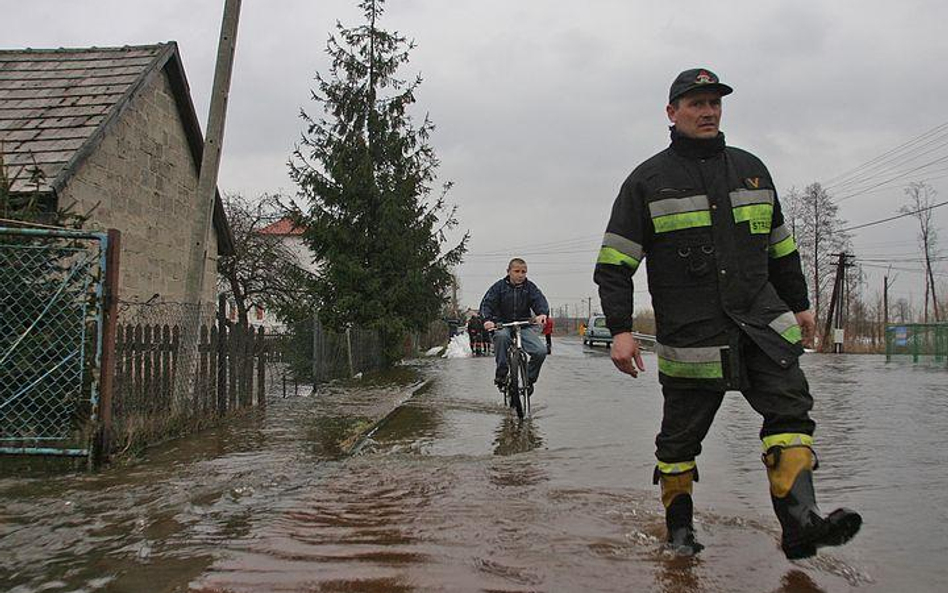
(721, 263)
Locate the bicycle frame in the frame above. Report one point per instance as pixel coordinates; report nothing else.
(516, 354)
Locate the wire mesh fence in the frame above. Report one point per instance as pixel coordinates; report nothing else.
(344, 354)
(50, 297)
(919, 342)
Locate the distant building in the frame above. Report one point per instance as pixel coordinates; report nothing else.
(292, 237)
(114, 132)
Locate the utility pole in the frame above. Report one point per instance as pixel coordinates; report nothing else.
(835, 318)
(211, 158)
(206, 197)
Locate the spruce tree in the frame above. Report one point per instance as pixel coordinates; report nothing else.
(367, 174)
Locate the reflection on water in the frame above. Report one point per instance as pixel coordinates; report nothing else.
(678, 574)
(453, 492)
(797, 581)
(515, 436)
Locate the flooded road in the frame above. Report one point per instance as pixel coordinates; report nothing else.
(453, 494)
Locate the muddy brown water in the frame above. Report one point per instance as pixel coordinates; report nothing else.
(451, 493)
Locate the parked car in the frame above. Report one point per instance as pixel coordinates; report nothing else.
(596, 331)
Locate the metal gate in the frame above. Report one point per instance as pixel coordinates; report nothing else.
(51, 323)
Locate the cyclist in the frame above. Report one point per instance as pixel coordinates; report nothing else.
(514, 298)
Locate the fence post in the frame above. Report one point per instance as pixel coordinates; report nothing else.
(232, 370)
(246, 368)
(204, 371)
(349, 351)
(110, 321)
(165, 352)
(261, 368)
(221, 355)
(317, 348)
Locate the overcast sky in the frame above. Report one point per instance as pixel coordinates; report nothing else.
(543, 107)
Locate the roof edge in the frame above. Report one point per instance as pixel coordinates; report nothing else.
(192, 128)
(168, 61)
(93, 142)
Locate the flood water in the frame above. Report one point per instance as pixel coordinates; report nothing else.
(453, 494)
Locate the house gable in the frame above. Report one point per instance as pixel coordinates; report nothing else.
(57, 106)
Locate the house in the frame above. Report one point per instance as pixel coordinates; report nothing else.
(292, 238)
(114, 132)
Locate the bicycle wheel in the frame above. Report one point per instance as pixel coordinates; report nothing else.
(515, 382)
(524, 383)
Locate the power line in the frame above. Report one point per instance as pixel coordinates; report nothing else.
(891, 218)
(848, 176)
(526, 246)
(895, 178)
(930, 148)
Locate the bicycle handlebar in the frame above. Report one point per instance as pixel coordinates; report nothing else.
(514, 323)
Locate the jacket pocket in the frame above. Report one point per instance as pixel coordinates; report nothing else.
(690, 261)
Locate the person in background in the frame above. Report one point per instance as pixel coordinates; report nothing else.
(548, 332)
(475, 331)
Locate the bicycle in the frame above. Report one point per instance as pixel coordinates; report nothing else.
(516, 387)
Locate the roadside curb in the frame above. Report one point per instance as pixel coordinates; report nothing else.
(355, 442)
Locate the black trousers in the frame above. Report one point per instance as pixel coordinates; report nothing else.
(781, 396)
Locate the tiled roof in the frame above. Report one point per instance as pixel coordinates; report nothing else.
(282, 227)
(56, 105)
(52, 102)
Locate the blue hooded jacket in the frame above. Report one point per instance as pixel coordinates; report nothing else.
(505, 302)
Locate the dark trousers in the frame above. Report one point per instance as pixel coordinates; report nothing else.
(781, 396)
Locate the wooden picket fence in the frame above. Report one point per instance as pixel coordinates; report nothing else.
(230, 372)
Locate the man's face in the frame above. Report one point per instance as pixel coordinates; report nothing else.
(517, 273)
(698, 114)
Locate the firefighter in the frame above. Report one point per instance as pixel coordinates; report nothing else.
(731, 311)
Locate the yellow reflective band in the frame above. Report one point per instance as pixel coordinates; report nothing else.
(676, 468)
(782, 248)
(787, 439)
(690, 370)
(793, 334)
(786, 325)
(614, 257)
(758, 215)
(677, 222)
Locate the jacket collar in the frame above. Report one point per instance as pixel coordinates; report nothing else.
(696, 148)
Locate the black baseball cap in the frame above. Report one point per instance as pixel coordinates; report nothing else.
(697, 78)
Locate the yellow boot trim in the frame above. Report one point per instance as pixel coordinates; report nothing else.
(786, 439)
(676, 468)
(675, 484)
(784, 465)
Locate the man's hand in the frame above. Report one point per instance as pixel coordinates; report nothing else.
(541, 319)
(488, 325)
(626, 355)
(807, 325)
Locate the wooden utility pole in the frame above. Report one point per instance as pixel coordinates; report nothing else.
(835, 318)
(206, 198)
(211, 158)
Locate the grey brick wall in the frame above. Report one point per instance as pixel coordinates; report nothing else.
(144, 180)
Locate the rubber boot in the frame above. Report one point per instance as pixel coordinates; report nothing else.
(790, 471)
(679, 511)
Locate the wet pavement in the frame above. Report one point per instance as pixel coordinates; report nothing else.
(451, 493)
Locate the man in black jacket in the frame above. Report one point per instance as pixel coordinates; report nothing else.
(731, 312)
(514, 298)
